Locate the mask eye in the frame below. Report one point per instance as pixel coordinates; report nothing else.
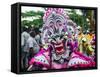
(53, 38)
(61, 36)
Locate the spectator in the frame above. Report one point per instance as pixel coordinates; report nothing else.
(38, 36)
(32, 45)
(24, 37)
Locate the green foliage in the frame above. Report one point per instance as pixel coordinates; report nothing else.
(32, 13)
(79, 19)
(36, 22)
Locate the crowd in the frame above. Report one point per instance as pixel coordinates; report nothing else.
(30, 43)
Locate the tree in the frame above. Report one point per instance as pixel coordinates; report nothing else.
(38, 22)
(81, 20)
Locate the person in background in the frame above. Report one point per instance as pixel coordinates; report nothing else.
(32, 46)
(38, 36)
(24, 55)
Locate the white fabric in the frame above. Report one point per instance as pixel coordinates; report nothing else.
(24, 38)
(76, 61)
(37, 38)
(41, 59)
(31, 43)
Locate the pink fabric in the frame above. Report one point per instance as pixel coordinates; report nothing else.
(32, 61)
(83, 57)
(43, 52)
(80, 55)
(58, 66)
(91, 64)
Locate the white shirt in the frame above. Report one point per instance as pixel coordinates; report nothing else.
(24, 37)
(37, 38)
(31, 43)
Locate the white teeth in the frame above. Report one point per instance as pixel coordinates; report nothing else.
(59, 45)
